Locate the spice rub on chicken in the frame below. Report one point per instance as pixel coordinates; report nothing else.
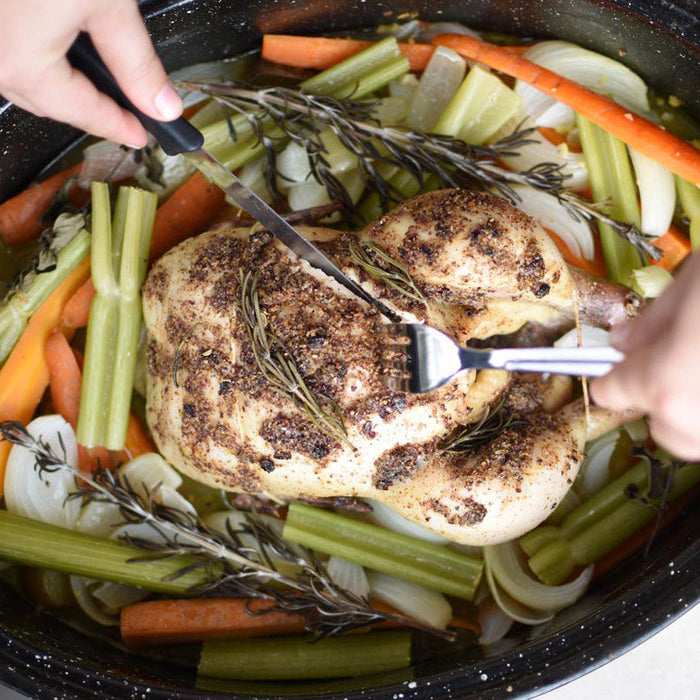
(264, 374)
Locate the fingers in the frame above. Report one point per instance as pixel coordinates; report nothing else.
(122, 41)
(627, 385)
(67, 95)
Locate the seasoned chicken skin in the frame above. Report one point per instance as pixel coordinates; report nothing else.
(221, 409)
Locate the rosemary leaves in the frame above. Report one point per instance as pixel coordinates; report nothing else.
(297, 116)
(230, 565)
(278, 366)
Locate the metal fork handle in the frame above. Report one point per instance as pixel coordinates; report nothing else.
(579, 361)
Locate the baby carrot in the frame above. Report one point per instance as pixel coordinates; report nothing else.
(675, 246)
(20, 216)
(188, 211)
(25, 375)
(648, 138)
(77, 311)
(192, 620)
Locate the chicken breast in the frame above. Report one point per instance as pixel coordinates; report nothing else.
(264, 374)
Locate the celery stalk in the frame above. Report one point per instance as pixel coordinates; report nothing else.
(15, 314)
(600, 524)
(295, 658)
(120, 253)
(362, 73)
(34, 543)
(356, 77)
(612, 182)
(405, 557)
(689, 196)
(479, 108)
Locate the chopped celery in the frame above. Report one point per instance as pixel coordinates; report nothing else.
(405, 557)
(599, 524)
(119, 256)
(361, 74)
(480, 107)
(295, 658)
(33, 543)
(612, 182)
(16, 312)
(689, 196)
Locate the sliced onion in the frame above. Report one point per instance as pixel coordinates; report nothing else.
(106, 161)
(440, 80)
(88, 603)
(43, 497)
(590, 69)
(657, 193)
(591, 336)
(99, 518)
(494, 623)
(386, 517)
(114, 596)
(509, 572)
(512, 608)
(651, 281)
(553, 215)
(435, 28)
(595, 470)
(416, 601)
(573, 165)
(175, 170)
(349, 576)
(403, 87)
(312, 194)
(150, 470)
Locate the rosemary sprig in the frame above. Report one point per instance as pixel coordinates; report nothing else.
(378, 264)
(494, 421)
(300, 117)
(278, 366)
(232, 568)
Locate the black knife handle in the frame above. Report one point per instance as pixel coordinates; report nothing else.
(174, 136)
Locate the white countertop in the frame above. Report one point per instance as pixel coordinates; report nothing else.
(665, 667)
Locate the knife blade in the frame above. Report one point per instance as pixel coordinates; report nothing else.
(180, 137)
(217, 173)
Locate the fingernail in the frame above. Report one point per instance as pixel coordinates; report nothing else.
(168, 103)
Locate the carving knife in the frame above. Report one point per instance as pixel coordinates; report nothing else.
(180, 137)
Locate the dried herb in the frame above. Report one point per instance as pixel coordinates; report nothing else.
(381, 266)
(232, 568)
(300, 117)
(494, 421)
(279, 367)
(661, 473)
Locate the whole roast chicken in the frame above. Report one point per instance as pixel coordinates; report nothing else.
(265, 377)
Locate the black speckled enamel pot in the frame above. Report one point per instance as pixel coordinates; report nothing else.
(45, 658)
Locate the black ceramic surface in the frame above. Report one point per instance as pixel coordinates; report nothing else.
(44, 658)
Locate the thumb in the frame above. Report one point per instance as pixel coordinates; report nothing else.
(121, 39)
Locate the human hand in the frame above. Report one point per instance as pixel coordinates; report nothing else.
(661, 373)
(35, 36)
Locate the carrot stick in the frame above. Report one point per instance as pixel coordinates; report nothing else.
(65, 376)
(188, 211)
(77, 310)
(25, 375)
(137, 441)
(323, 52)
(20, 217)
(673, 153)
(675, 246)
(192, 620)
